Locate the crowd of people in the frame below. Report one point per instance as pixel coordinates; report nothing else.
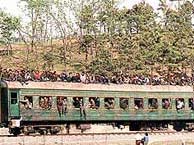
(24, 76)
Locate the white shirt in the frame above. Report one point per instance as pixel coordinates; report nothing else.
(83, 78)
(180, 104)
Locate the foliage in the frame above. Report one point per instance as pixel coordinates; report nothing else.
(105, 38)
(8, 26)
(102, 64)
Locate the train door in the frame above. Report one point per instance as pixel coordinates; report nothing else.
(3, 103)
(14, 103)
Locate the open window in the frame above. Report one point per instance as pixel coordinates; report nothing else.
(152, 103)
(166, 103)
(28, 102)
(77, 101)
(45, 102)
(109, 103)
(180, 103)
(124, 103)
(62, 104)
(191, 103)
(61, 100)
(138, 103)
(94, 102)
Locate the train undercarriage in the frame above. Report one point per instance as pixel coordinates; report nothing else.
(43, 128)
(161, 125)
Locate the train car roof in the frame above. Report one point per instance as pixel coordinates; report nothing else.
(3, 84)
(102, 87)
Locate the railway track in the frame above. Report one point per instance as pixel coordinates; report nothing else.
(114, 138)
(104, 133)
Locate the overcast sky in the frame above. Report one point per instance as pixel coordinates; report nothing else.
(11, 6)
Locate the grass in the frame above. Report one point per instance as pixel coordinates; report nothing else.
(36, 59)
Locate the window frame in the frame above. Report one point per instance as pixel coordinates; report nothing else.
(96, 99)
(127, 103)
(150, 102)
(73, 101)
(11, 98)
(49, 107)
(136, 106)
(170, 103)
(176, 103)
(106, 103)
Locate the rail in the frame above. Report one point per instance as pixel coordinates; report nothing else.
(124, 138)
(105, 133)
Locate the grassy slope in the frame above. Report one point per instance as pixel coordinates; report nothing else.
(75, 60)
(36, 58)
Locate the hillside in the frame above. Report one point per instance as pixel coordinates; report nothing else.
(100, 38)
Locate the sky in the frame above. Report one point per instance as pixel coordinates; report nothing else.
(11, 6)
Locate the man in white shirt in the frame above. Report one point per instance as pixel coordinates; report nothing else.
(83, 77)
(180, 104)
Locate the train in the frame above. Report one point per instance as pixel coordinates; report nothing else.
(49, 107)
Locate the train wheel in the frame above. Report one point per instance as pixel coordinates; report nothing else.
(43, 132)
(26, 130)
(134, 126)
(178, 126)
(189, 127)
(26, 133)
(16, 131)
(55, 129)
(53, 132)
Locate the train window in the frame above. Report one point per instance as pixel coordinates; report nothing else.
(124, 103)
(77, 101)
(152, 103)
(138, 102)
(62, 104)
(14, 98)
(45, 102)
(191, 103)
(166, 103)
(28, 102)
(94, 102)
(180, 103)
(109, 103)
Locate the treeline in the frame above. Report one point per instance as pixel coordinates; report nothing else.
(100, 37)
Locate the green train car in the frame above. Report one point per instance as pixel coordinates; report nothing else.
(46, 107)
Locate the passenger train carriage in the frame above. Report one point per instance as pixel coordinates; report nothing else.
(45, 107)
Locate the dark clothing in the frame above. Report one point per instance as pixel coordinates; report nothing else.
(192, 105)
(60, 107)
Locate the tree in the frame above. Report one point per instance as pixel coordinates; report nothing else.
(35, 9)
(102, 64)
(8, 27)
(177, 35)
(144, 35)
